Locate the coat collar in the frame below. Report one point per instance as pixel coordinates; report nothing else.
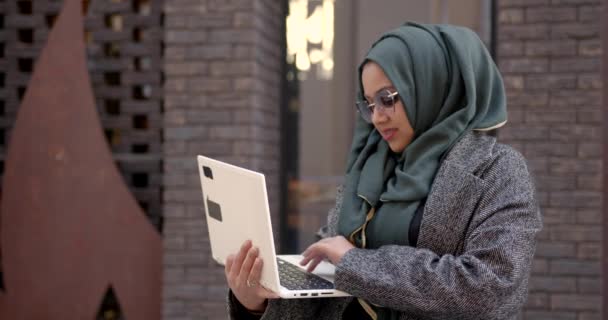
(455, 194)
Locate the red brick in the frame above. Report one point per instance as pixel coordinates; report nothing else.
(550, 81)
(576, 302)
(559, 216)
(590, 48)
(524, 65)
(590, 182)
(590, 13)
(537, 300)
(186, 68)
(185, 37)
(552, 182)
(550, 149)
(513, 82)
(522, 3)
(553, 285)
(574, 2)
(589, 285)
(548, 315)
(589, 216)
(589, 316)
(523, 32)
(555, 116)
(540, 266)
(575, 31)
(538, 165)
(533, 99)
(589, 250)
(589, 115)
(567, 267)
(550, 48)
(585, 99)
(590, 81)
(575, 133)
(517, 131)
(574, 65)
(556, 250)
(510, 48)
(577, 233)
(561, 166)
(511, 16)
(550, 14)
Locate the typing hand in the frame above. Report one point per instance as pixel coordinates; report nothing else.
(333, 248)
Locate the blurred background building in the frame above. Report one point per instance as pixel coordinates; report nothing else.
(270, 84)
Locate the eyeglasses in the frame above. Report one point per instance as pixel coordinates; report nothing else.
(383, 102)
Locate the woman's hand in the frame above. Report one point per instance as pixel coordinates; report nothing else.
(333, 248)
(243, 272)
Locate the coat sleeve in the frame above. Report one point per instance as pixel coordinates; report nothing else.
(487, 280)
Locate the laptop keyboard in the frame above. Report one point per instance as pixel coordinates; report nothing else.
(294, 278)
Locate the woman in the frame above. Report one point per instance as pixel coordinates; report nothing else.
(436, 220)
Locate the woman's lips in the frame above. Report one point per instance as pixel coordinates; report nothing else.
(388, 134)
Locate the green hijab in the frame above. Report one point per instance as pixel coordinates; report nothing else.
(449, 86)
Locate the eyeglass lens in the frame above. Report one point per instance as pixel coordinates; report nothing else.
(383, 101)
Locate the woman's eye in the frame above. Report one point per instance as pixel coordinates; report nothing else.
(386, 101)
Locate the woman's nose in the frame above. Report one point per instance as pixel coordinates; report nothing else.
(379, 117)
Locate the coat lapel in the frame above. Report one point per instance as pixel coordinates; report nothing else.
(448, 210)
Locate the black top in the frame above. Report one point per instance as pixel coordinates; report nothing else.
(415, 224)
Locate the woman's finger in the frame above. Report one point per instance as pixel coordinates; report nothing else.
(240, 257)
(313, 265)
(313, 247)
(228, 264)
(315, 251)
(256, 276)
(248, 263)
(304, 260)
(307, 259)
(256, 270)
(308, 254)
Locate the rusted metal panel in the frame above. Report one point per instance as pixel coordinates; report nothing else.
(70, 226)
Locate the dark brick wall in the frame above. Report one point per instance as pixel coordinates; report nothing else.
(550, 54)
(124, 49)
(223, 63)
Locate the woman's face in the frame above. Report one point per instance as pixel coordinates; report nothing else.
(394, 126)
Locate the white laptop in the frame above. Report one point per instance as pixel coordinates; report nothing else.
(236, 208)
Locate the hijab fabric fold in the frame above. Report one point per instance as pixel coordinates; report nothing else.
(449, 85)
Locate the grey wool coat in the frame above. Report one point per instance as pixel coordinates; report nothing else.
(474, 252)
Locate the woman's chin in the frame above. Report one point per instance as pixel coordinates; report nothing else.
(396, 148)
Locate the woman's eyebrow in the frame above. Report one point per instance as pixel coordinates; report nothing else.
(383, 88)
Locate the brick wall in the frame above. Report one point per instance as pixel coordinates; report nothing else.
(223, 61)
(550, 53)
